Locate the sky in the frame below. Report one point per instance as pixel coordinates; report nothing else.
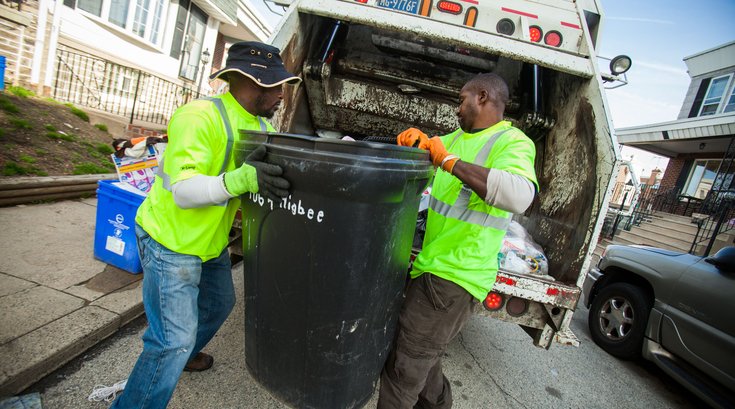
(657, 35)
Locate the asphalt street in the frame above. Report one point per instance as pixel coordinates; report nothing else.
(492, 364)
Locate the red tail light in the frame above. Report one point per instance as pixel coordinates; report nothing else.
(493, 301)
(536, 33)
(449, 7)
(362, 1)
(553, 38)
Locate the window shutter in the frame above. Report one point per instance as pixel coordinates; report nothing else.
(179, 29)
(684, 174)
(699, 97)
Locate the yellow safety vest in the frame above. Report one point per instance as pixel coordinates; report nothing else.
(463, 233)
(201, 136)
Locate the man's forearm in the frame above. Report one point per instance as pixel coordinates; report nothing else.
(501, 189)
(472, 175)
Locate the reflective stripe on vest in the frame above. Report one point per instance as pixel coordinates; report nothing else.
(166, 179)
(460, 209)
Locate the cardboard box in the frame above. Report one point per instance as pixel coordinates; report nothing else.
(139, 173)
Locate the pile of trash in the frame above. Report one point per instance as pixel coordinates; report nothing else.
(521, 254)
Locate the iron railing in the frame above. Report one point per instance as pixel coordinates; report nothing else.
(84, 80)
(719, 206)
(717, 212)
(652, 199)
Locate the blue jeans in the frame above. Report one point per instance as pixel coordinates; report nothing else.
(186, 301)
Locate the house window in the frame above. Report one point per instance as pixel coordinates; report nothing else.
(730, 104)
(713, 97)
(701, 178)
(119, 12)
(156, 24)
(91, 6)
(144, 20)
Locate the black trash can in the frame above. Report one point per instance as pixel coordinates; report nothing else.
(325, 268)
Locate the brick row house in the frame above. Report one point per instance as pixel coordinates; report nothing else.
(698, 183)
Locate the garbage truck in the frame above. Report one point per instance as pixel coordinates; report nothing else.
(372, 68)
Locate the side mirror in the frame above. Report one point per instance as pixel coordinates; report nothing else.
(724, 259)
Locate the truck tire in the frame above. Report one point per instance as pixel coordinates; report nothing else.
(618, 318)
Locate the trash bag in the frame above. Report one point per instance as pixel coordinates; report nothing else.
(418, 238)
(521, 254)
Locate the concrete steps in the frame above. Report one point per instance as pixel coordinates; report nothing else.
(674, 223)
(641, 236)
(631, 239)
(666, 231)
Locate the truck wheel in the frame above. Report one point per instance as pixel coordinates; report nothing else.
(618, 318)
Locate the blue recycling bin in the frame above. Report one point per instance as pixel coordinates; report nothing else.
(2, 72)
(114, 239)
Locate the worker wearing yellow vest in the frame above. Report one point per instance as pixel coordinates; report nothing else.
(485, 174)
(183, 225)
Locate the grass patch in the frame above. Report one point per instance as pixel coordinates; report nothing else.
(93, 153)
(27, 159)
(8, 106)
(2, 132)
(50, 127)
(105, 149)
(14, 169)
(41, 152)
(87, 168)
(78, 112)
(59, 135)
(21, 92)
(101, 127)
(20, 123)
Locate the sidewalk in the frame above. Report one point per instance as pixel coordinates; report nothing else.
(56, 299)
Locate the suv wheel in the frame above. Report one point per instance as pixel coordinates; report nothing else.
(618, 318)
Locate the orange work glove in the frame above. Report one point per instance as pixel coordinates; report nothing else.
(413, 137)
(439, 155)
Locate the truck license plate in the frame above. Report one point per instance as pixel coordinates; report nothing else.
(409, 6)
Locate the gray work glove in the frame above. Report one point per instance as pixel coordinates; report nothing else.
(257, 176)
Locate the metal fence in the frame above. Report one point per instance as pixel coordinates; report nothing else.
(101, 84)
(717, 214)
(720, 210)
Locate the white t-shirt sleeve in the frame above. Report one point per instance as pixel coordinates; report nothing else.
(200, 191)
(509, 191)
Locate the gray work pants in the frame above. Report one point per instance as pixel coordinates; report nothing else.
(434, 312)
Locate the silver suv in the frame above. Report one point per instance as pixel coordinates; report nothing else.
(675, 309)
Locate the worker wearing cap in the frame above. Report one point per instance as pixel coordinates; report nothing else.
(182, 227)
(485, 174)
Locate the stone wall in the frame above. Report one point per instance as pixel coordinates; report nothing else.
(17, 41)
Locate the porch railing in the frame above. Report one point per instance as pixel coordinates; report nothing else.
(717, 212)
(652, 199)
(129, 92)
(720, 210)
